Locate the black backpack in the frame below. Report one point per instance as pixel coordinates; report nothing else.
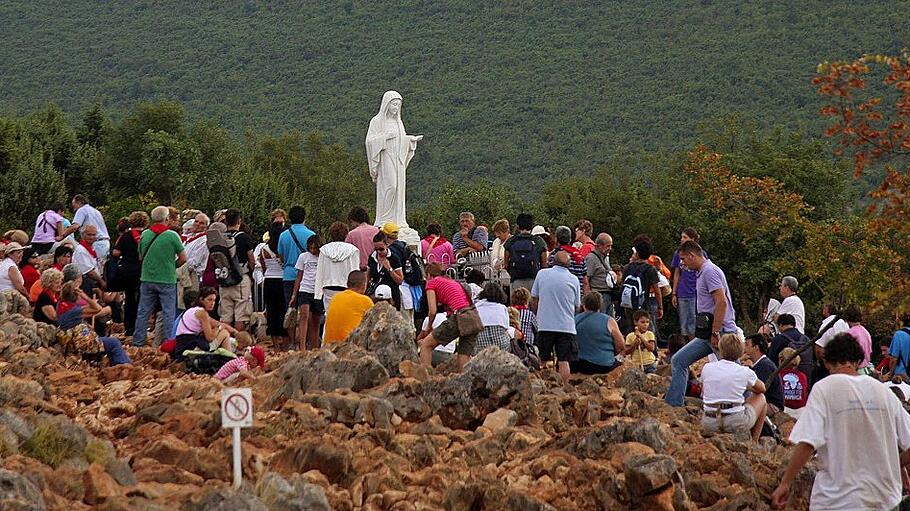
(205, 363)
(411, 264)
(227, 268)
(633, 292)
(524, 259)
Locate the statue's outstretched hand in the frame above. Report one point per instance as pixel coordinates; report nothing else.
(418, 138)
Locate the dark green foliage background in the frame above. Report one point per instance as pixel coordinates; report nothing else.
(501, 89)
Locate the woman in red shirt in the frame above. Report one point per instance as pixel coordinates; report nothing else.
(443, 292)
(28, 267)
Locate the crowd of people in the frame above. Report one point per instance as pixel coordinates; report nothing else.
(547, 297)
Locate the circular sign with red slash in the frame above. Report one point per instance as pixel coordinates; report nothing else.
(236, 407)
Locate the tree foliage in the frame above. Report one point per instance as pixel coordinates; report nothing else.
(153, 157)
(869, 109)
(504, 90)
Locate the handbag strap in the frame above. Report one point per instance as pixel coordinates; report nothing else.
(467, 293)
(296, 241)
(149, 247)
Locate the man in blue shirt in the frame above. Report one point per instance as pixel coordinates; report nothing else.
(899, 350)
(556, 297)
(291, 244)
(757, 350)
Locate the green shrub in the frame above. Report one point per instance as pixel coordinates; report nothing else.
(50, 446)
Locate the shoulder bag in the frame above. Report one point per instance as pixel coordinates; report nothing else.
(467, 318)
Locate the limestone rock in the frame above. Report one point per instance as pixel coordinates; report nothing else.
(597, 443)
(99, 485)
(280, 495)
(386, 334)
(322, 454)
(206, 463)
(22, 429)
(323, 370)
(351, 408)
(11, 302)
(120, 470)
(17, 493)
(223, 499)
(492, 379)
(500, 419)
(645, 474)
(14, 391)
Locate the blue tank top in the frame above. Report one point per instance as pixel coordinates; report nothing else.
(595, 344)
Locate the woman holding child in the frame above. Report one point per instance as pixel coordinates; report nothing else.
(75, 335)
(196, 329)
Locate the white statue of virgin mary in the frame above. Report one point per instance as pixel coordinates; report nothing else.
(389, 150)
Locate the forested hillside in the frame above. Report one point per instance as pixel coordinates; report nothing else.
(498, 88)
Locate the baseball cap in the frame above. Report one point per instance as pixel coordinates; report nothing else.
(538, 230)
(258, 354)
(383, 292)
(14, 246)
(390, 228)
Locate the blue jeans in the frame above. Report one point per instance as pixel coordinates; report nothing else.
(607, 307)
(115, 352)
(686, 309)
(652, 310)
(695, 350)
(150, 294)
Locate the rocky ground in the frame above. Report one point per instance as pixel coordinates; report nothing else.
(361, 427)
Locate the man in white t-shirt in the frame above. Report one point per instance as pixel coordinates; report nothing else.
(792, 304)
(88, 260)
(830, 312)
(860, 432)
(85, 216)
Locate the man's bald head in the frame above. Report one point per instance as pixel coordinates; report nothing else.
(603, 243)
(562, 259)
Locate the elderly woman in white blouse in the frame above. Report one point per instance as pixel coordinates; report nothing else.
(10, 276)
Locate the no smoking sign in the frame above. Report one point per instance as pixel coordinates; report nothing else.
(236, 408)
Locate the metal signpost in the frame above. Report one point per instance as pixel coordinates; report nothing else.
(236, 413)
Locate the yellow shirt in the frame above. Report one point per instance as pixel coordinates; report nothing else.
(641, 356)
(345, 313)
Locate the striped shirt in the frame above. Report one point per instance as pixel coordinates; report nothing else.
(448, 293)
(231, 367)
(528, 324)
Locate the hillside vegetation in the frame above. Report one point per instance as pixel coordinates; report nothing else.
(500, 89)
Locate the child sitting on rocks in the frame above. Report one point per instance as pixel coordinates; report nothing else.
(241, 366)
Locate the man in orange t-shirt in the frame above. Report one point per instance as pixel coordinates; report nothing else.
(347, 309)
